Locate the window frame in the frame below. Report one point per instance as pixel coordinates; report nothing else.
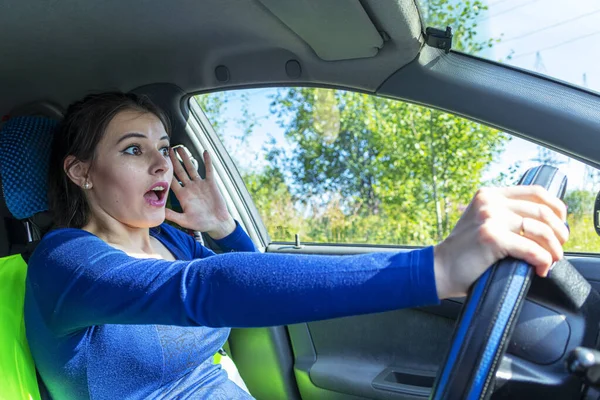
(240, 202)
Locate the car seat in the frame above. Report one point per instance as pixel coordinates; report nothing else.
(24, 155)
(25, 143)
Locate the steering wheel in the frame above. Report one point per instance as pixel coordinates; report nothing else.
(492, 309)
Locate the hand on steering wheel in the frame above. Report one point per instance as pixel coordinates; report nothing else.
(528, 226)
(523, 222)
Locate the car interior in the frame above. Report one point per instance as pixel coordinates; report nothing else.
(533, 333)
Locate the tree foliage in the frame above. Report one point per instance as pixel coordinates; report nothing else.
(385, 158)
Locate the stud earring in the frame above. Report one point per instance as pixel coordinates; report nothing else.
(87, 185)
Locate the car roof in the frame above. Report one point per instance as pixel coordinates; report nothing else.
(58, 51)
(61, 50)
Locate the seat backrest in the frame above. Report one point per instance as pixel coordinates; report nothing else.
(24, 156)
(25, 143)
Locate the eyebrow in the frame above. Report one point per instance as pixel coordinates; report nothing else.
(138, 135)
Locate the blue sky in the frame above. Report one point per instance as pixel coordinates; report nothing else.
(553, 37)
(566, 35)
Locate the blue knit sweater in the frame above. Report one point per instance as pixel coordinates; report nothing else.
(105, 325)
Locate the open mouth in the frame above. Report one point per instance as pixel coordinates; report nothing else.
(157, 194)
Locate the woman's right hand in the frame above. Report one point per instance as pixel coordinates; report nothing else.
(524, 222)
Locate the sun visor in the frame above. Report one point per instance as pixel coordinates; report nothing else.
(334, 29)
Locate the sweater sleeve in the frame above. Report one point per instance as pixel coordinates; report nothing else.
(79, 281)
(238, 240)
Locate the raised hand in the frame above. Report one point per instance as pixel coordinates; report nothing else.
(203, 206)
(524, 222)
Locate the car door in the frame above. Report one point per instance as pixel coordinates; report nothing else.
(441, 157)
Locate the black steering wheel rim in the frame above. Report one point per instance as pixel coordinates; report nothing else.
(489, 314)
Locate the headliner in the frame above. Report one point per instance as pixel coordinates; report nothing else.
(61, 50)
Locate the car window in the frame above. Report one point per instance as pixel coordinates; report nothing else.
(342, 167)
(551, 38)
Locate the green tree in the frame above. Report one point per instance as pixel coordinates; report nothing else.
(580, 203)
(463, 17)
(364, 168)
(376, 156)
(272, 197)
(384, 157)
(580, 216)
(214, 105)
(334, 149)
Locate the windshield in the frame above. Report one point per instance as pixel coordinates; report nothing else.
(550, 37)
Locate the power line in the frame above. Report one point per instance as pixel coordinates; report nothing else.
(509, 10)
(566, 21)
(557, 45)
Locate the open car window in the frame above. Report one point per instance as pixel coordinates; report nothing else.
(342, 167)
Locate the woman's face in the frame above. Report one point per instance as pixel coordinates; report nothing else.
(132, 171)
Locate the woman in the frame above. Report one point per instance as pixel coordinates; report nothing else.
(120, 305)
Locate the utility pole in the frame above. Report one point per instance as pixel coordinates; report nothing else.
(539, 64)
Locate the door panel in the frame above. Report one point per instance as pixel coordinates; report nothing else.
(403, 346)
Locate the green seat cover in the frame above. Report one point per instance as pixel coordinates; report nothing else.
(17, 379)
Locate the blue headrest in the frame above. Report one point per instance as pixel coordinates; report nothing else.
(24, 157)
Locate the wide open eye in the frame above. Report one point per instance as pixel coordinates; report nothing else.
(133, 150)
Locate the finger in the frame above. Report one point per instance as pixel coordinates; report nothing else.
(176, 217)
(176, 186)
(543, 235)
(208, 167)
(542, 213)
(523, 248)
(537, 194)
(177, 168)
(187, 162)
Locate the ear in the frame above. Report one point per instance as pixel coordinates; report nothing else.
(77, 171)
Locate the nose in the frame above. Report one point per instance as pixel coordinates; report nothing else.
(159, 164)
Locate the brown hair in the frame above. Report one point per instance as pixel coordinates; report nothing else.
(78, 135)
